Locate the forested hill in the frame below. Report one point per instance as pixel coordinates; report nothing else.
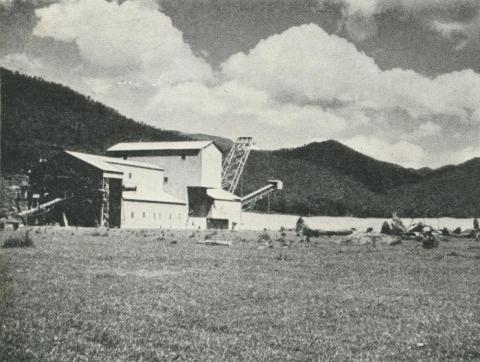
(315, 187)
(40, 118)
(376, 175)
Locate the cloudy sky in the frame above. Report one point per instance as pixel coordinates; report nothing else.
(396, 79)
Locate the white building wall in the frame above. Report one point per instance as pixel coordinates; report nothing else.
(145, 179)
(197, 223)
(231, 210)
(180, 172)
(153, 215)
(211, 175)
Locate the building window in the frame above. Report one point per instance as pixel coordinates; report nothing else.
(129, 175)
(144, 214)
(124, 157)
(132, 214)
(183, 157)
(165, 180)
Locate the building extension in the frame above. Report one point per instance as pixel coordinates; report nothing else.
(106, 191)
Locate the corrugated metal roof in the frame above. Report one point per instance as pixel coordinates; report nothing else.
(106, 164)
(159, 196)
(219, 194)
(120, 161)
(95, 161)
(157, 146)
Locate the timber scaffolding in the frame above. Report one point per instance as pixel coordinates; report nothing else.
(70, 191)
(40, 210)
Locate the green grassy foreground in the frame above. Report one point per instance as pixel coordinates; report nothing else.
(82, 295)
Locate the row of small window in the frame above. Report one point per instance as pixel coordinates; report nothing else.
(144, 215)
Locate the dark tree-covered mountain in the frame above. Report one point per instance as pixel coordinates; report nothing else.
(40, 118)
(223, 143)
(329, 178)
(449, 191)
(308, 188)
(375, 175)
(422, 171)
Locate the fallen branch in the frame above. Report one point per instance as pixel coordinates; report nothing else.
(214, 242)
(318, 232)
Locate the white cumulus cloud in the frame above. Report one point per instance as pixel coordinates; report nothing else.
(233, 109)
(129, 37)
(291, 88)
(401, 152)
(305, 64)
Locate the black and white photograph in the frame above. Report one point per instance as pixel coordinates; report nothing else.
(239, 180)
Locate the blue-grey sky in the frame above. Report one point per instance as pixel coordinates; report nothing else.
(396, 79)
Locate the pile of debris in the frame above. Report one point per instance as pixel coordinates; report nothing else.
(426, 234)
(393, 232)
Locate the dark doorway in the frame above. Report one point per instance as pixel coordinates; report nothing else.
(115, 202)
(217, 223)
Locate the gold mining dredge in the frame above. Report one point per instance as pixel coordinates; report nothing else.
(185, 184)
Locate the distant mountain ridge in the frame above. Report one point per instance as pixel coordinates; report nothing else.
(41, 118)
(378, 176)
(314, 186)
(223, 143)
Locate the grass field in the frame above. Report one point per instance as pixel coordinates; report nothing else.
(81, 295)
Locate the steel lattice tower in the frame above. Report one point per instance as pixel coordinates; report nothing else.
(234, 163)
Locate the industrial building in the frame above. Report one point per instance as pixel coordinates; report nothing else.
(193, 173)
(192, 163)
(145, 185)
(92, 190)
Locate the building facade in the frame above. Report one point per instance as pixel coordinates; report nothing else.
(106, 191)
(191, 163)
(193, 173)
(212, 208)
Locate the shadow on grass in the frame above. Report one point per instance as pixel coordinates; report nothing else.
(18, 241)
(11, 341)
